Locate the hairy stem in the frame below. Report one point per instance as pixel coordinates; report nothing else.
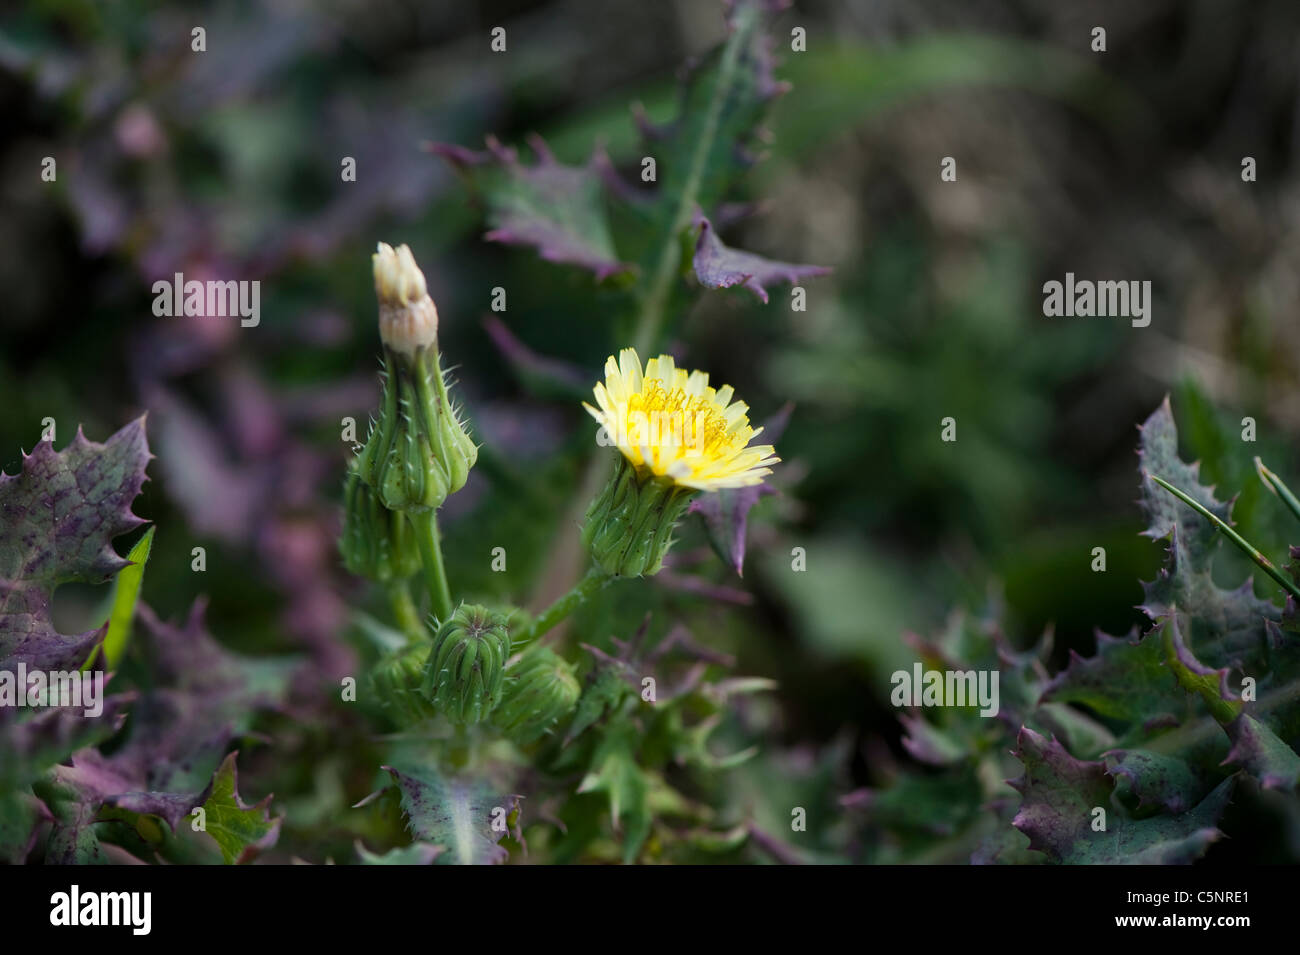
(404, 609)
(650, 319)
(556, 612)
(435, 574)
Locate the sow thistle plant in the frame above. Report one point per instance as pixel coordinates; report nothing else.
(497, 738)
(675, 437)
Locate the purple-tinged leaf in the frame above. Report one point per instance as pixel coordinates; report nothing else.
(557, 209)
(1059, 799)
(58, 518)
(202, 697)
(718, 266)
(455, 814)
(1259, 751)
(726, 513)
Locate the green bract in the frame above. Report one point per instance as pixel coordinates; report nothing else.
(376, 543)
(465, 672)
(629, 525)
(396, 681)
(418, 452)
(540, 690)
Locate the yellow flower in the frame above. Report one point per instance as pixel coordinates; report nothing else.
(670, 423)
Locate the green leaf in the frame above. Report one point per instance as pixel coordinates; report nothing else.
(126, 591)
(458, 814)
(615, 771)
(1126, 680)
(241, 831)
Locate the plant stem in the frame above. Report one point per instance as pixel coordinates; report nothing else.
(435, 575)
(552, 615)
(650, 315)
(1249, 549)
(1274, 484)
(404, 609)
(651, 318)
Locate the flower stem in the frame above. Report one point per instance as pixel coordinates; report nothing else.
(552, 615)
(1274, 484)
(1249, 549)
(404, 609)
(435, 575)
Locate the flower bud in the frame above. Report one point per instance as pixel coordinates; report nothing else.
(629, 525)
(408, 319)
(376, 543)
(465, 671)
(417, 452)
(540, 690)
(396, 681)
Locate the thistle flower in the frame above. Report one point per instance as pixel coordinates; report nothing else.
(540, 689)
(417, 452)
(676, 436)
(465, 671)
(670, 424)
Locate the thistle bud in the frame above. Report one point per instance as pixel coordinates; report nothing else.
(408, 319)
(629, 525)
(465, 671)
(540, 690)
(395, 681)
(376, 543)
(418, 452)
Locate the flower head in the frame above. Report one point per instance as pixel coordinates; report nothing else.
(671, 424)
(408, 318)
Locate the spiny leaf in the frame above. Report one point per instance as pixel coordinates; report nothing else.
(616, 772)
(1060, 794)
(241, 831)
(1223, 626)
(718, 266)
(1126, 679)
(557, 209)
(454, 813)
(726, 513)
(58, 518)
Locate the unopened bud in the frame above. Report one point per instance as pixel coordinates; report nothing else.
(408, 318)
(466, 667)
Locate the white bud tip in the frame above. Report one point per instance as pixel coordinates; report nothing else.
(407, 316)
